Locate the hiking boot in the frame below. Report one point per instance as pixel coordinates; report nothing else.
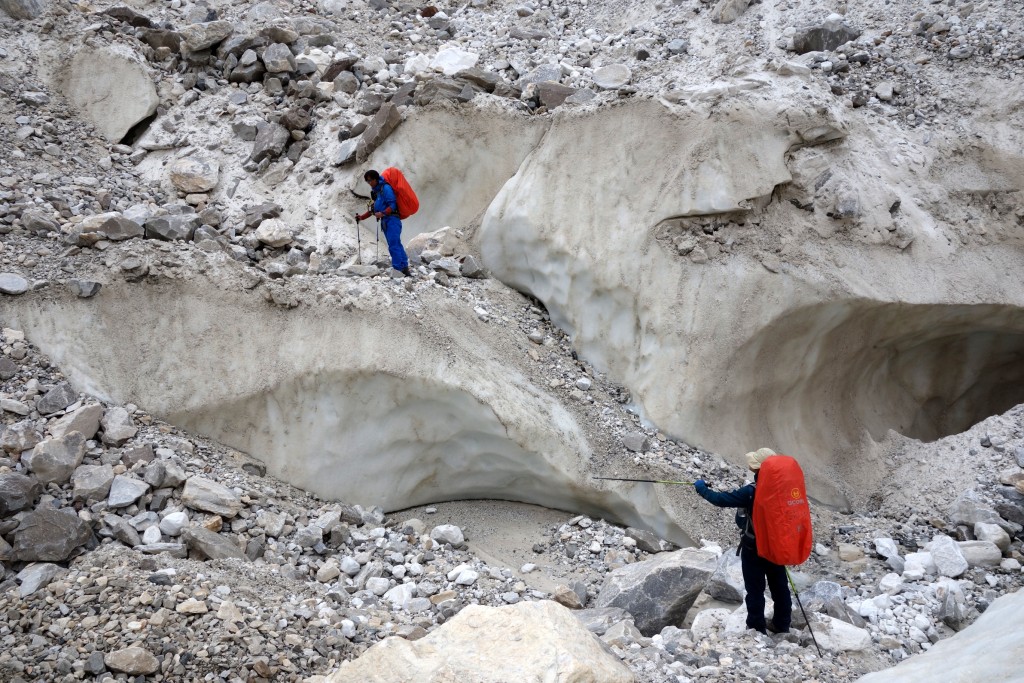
(775, 629)
(405, 271)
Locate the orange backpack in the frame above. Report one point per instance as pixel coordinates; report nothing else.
(781, 515)
(408, 203)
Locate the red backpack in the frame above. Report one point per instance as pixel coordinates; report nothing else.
(408, 203)
(781, 515)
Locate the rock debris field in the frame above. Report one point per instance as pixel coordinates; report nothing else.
(238, 447)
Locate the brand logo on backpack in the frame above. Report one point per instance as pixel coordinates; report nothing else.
(795, 493)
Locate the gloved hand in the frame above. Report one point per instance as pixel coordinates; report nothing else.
(358, 218)
(700, 485)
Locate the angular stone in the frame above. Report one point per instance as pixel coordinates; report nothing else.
(447, 533)
(22, 9)
(112, 88)
(19, 437)
(122, 530)
(980, 553)
(993, 533)
(636, 442)
(274, 233)
(136, 454)
(55, 460)
(8, 368)
(726, 584)
(552, 95)
(38, 222)
(949, 560)
(438, 90)
(206, 544)
(84, 289)
(278, 58)
(380, 127)
(58, 398)
(658, 592)
(969, 509)
(209, 496)
(197, 37)
(173, 226)
(17, 493)
(470, 268)
(836, 635)
(92, 482)
(117, 426)
(114, 226)
(50, 535)
(529, 641)
(133, 661)
(728, 11)
(125, 491)
(12, 284)
(37, 575)
(85, 421)
(599, 619)
(194, 175)
(271, 140)
(451, 60)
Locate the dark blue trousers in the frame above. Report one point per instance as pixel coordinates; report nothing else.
(393, 234)
(757, 573)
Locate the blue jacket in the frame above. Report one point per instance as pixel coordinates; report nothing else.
(742, 498)
(384, 197)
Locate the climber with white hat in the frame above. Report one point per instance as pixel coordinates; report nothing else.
(757, 571)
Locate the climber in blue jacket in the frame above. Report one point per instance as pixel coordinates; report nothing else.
(385, 208)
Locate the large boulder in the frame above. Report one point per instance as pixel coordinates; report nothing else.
(990, 649)
(207, 34)
(726, 584)
(530, 641)
(111, 87)
(22, 9)
(113, 225)
(980, 553)
(85, 421)
(209, 496)
(209, 545)
(660, 591)
(58, 398)
(949, 560)
(824, 37)
(50, 535)
(117, 426)
(835, 635)
(54, 460)
(19, 437)
(17, 493)
(271, 140)
(194, 175)
(380, 127)
(92, 482)
(125, 491)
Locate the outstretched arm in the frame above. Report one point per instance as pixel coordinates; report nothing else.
(740, 498)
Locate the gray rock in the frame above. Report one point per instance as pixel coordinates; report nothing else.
(470, 268)
(528, 33)
(17, 493)
(114, 226)
(22, 9)
(8, 368)
(346, 82)
(346, 152)
(278, 58)
(658, 592)
(197, 37)
(209, 545)
(612, 76)
(726, 584)
(155, 474)
(645, 540)
(823, 38)
(50, 535)
(84, 289)
(969, 509)
(949, 560)
(953, 610)
(92, 482)
(599, 619)
(112, 88)
(209, 496)
(85, 421)
(992, 533)
(380, 127)
(173, 549)
(174, 523)
(55, 460)
(125, 491)
(447, 533)
(448, 265)
(37, 575)
(552, 95)
(728, 11)
(133, 661)
(123, 531)
(136, 454)
(194, 174)
(19, 437)
(357, 270)
(58, 398)
(309, 536)
(270, 143)
(677, 46)
(173, 227)
(249, 73)
(117, 426)
(94, 664)
(542, 73)
(636, 442)
(38, 222)
(980, 553)
(438, 90)
(151, 535)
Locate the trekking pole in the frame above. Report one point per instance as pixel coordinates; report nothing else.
(796, 593)
(647, 481)
(359, 242)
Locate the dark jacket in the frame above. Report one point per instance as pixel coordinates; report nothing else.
(383, 198)
(742, 498)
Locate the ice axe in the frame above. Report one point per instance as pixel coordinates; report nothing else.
(647, 481)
